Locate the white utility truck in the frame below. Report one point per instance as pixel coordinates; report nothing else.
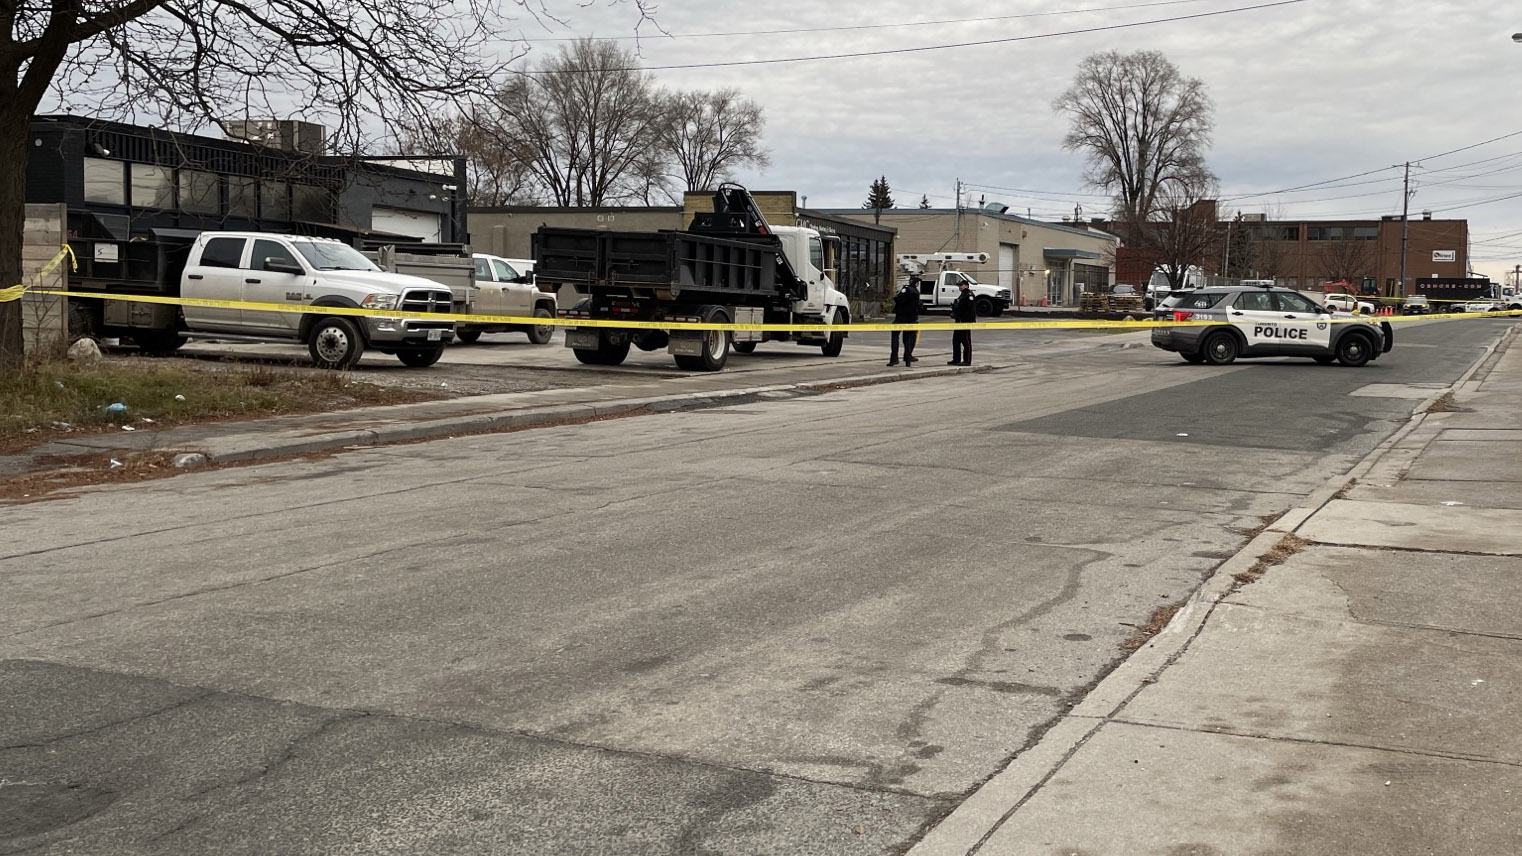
(938, 279)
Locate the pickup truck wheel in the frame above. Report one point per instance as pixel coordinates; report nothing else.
(467, 337)
(837, 341)
(744, 347)
(420, 359)
(715, 345)
(540, 334)
(1354, 350)
(335, 343)
(983, 307)
(158, 343)
(1220, 349)
(81, 322)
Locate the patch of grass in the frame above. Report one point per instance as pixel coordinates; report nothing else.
(1154, 625)
(61, 397)
(1288, 546)
(1444, 404)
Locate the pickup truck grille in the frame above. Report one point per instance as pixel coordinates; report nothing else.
(424, 301)
(1003, 294)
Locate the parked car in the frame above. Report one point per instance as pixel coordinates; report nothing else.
(1349, 303)
(1415, 304)
(1483, 306)
(1123, 291)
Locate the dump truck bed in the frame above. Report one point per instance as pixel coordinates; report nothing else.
(669, 265)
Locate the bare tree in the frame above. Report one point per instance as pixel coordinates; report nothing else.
(358, 67)
(1349, 261)
(708, 135)
(1142, 127)
(497, 164)
(587, 118)
(1185, 231)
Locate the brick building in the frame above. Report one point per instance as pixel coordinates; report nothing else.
(1305, 253)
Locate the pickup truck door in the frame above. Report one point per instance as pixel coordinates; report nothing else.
(946, 288)
(214, 274)
(512, 297)
(262, 285)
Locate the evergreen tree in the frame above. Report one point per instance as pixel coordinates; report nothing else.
(879, 198)
(924, 201)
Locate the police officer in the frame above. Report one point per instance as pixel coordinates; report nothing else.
(962, 311)
(906, 310)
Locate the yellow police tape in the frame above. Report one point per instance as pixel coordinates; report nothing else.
(522, 320)
(15, 292)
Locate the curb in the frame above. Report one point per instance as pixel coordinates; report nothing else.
(246, 447)
(972, 823)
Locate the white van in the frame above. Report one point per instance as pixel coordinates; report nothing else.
(1158, 287)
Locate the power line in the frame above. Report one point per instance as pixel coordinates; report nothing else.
(860, 54)
(1046, 14)
(1374, 171)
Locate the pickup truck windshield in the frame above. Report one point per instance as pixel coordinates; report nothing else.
(325, 255)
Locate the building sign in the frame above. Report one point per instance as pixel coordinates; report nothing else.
(105, 252)
(1445, 255)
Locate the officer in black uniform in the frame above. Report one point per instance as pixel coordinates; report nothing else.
(906, 310)
(961, 340)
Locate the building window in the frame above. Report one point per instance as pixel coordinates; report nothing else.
(242, 197)
(152, 186)
(275, 200)
(105, 181)
(200, 192)
(1365, 233)
(1289, 233)
(311, 204)
(1324, 233)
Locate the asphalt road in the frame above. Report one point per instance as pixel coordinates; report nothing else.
(805, 624)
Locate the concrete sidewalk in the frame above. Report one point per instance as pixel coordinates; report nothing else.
(1362, 696)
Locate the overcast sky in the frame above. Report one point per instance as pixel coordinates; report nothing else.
(1308, 92)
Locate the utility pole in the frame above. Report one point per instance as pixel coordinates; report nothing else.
(1405, 230)
(956, 223)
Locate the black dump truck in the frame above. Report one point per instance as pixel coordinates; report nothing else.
(729, 266)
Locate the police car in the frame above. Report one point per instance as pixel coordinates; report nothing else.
(1265, 321)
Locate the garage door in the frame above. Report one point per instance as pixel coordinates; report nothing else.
(1007, 270)
(398, 221)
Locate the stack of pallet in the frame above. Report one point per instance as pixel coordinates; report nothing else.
(1128, 303)
(1094, 301)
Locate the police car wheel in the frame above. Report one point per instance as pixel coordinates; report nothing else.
(1220, 349)
(1354, 350)
(1193, 358)
(1325, 360)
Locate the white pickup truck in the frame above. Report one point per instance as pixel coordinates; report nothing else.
(481, 285)
(262, 268)
(1348, 303)
(938, 280)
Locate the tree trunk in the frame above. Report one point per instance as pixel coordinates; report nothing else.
(14, 132)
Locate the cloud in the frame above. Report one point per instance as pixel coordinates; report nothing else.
(1303, 93)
